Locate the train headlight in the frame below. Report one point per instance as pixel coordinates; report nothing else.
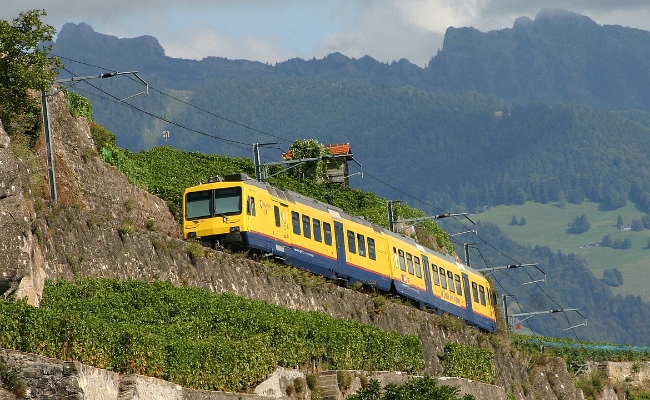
(234, 229)
(191, 235)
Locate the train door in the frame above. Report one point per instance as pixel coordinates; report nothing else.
(340, 248)
(468, 298)
(281, 229)
(427, 280)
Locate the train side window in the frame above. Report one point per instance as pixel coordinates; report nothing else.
(361, 241)
(276, 212)
(295, 220)
(327, 230)
(352, 245)
(317, 234)
(450, 277)
(371, 249)
(475, 291)
(402, 263)
(418, 268)
(250, 206)
(481, 291)
(395, 259)
(409, 262)
(306, 226)
(436, 279)
(459, 290)
(443, 279)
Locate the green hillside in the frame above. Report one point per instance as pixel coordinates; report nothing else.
(546, 225)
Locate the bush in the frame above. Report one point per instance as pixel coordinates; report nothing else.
(579, 225)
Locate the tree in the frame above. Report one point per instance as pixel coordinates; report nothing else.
(619, 222)
(637, 225)
(579, 225)
(308, 148)
(522, 221)
(514, 221)
(24, 65)
(606, 241)
(612, 277)
(646, 221)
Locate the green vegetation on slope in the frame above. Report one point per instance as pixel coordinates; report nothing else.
(166, 173)
(193, 337)
(546, 225)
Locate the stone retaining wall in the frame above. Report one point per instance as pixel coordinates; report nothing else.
(47, 378)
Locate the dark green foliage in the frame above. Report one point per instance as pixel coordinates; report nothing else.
(612, 277)
(344, 379)
(103, 138)
(606, 241)
(522, 221)
(514, 221)
(646, 221)
(613, 319)
(191, 336)
(621, 243)
(637, 225)
(25, 64)
(11, 380)
(469, 362)
(579, 225)
(308, 148)
(79, 106)
(421, 388)
(619, 222)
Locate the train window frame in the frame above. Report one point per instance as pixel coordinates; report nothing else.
(434, 272)
(276, 213)
(450, 281)
(306, 226)
(402, 261)
(443, 278)
(317, 231)
(372, 253)
(352, 244)
(481, 291)
(295, 221)
(459, 289)
(475, 292)
(199, 204)
(327, 233)
(409, 263)
(250, 206)
(361, 244)
(418, 267)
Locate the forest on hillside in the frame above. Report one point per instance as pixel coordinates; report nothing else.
(460, 152)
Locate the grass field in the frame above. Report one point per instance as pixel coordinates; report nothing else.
(546, 225)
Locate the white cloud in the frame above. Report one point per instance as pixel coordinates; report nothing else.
(199, 41)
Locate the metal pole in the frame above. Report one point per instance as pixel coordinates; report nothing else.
(389, 206)
(49, 151)
(466, 245)
(256, 160)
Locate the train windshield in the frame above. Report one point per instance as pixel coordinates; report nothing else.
(210, 203)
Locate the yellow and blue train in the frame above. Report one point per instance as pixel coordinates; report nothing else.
(321, 238)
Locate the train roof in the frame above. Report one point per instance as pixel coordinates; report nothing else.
(293, 197)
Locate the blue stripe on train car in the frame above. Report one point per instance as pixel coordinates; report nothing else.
(410, 292)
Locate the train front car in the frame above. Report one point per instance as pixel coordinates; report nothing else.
(213, 212)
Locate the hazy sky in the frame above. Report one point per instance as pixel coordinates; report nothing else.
(277, 30)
